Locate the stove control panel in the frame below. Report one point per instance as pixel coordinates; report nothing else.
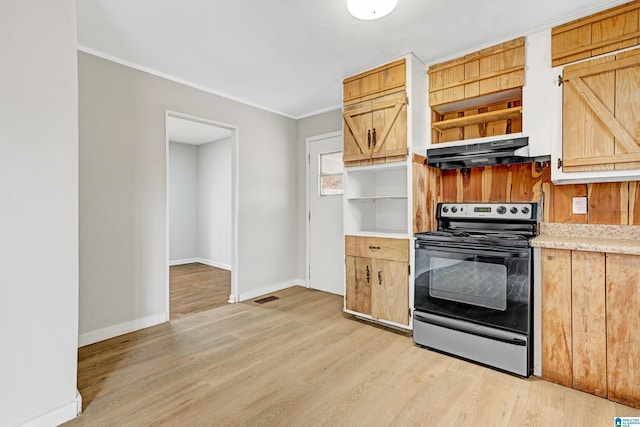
(504, 211)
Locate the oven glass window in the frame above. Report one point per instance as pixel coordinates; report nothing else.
(477, 283)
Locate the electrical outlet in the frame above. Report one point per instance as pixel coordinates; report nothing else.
(579, 205)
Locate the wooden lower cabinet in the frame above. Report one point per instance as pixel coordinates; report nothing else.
(591, 322)
(623, 328)
(377, 274)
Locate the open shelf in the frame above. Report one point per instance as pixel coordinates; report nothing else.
(476, 119)
(377, 199)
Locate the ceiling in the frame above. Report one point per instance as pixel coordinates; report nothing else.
(194, 133)
(290, 56)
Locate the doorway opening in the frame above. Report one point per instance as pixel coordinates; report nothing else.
(201, 214)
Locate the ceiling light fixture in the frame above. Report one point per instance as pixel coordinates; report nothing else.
(370, 9)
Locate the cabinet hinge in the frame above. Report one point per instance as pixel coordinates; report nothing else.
(559, 163)
(309, 158)
(309, 216)
(560, 80)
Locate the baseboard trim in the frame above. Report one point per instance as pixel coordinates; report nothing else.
(58, 416)
(201, 261)
(120, 329)
(269, 289)
(214, 264)
(183, 261)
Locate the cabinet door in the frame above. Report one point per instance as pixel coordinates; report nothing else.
(623, 328)
(601, 110)
(390, 293)
(389, 127)
(357, 133)
(359, 274)
(556, 317)
(588, 322)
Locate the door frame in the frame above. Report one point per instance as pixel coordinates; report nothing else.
(235, 181)
(309, 140)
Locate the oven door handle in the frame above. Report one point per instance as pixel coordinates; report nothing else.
(493, 334)
(464, 249)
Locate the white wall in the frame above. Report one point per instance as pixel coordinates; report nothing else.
(214, 202)
(123, 238)
(183, 206)
(39, 212)
(200, 203)
(183, 201)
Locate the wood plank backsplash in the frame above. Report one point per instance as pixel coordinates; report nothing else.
(608, 203)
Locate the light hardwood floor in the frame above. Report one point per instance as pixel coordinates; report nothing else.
(197, 287)
(298, 361)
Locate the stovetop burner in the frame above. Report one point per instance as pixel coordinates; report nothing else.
(487, 224)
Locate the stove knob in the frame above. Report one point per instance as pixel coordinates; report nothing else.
(501, 210)
(514, 210)
(445, 209)
(454, 209)
(525, 210)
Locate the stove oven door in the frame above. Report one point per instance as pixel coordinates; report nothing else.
(486, 286)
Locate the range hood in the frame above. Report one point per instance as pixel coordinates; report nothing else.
(506, 151)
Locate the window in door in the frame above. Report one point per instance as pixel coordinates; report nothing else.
(331, 173)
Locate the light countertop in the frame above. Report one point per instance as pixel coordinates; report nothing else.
(621, 239)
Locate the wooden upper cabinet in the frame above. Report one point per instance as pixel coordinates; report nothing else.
(604, 32)
(479, 94)
(376, 131)
(371, 84)
(494, 69)
(601, 114)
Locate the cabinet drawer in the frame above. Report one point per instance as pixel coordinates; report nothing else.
(377, 247)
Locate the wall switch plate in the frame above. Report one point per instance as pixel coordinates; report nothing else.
(579, 205)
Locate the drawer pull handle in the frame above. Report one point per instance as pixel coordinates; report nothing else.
(374, 248)
(369, 138)
(368, 275)
(379, 277)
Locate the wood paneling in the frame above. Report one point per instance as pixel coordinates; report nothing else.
(497, 183)
(527, 182)
(563, 203)
(608, 203)
(634, 203)
(557, 339)
(472, 184)
(502, 183)
(594, 35)
(623, 328)
(588, 322)
(425, 194)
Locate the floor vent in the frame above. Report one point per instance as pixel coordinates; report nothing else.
(266, 299)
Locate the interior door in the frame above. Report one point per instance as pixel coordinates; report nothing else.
(326, 244)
